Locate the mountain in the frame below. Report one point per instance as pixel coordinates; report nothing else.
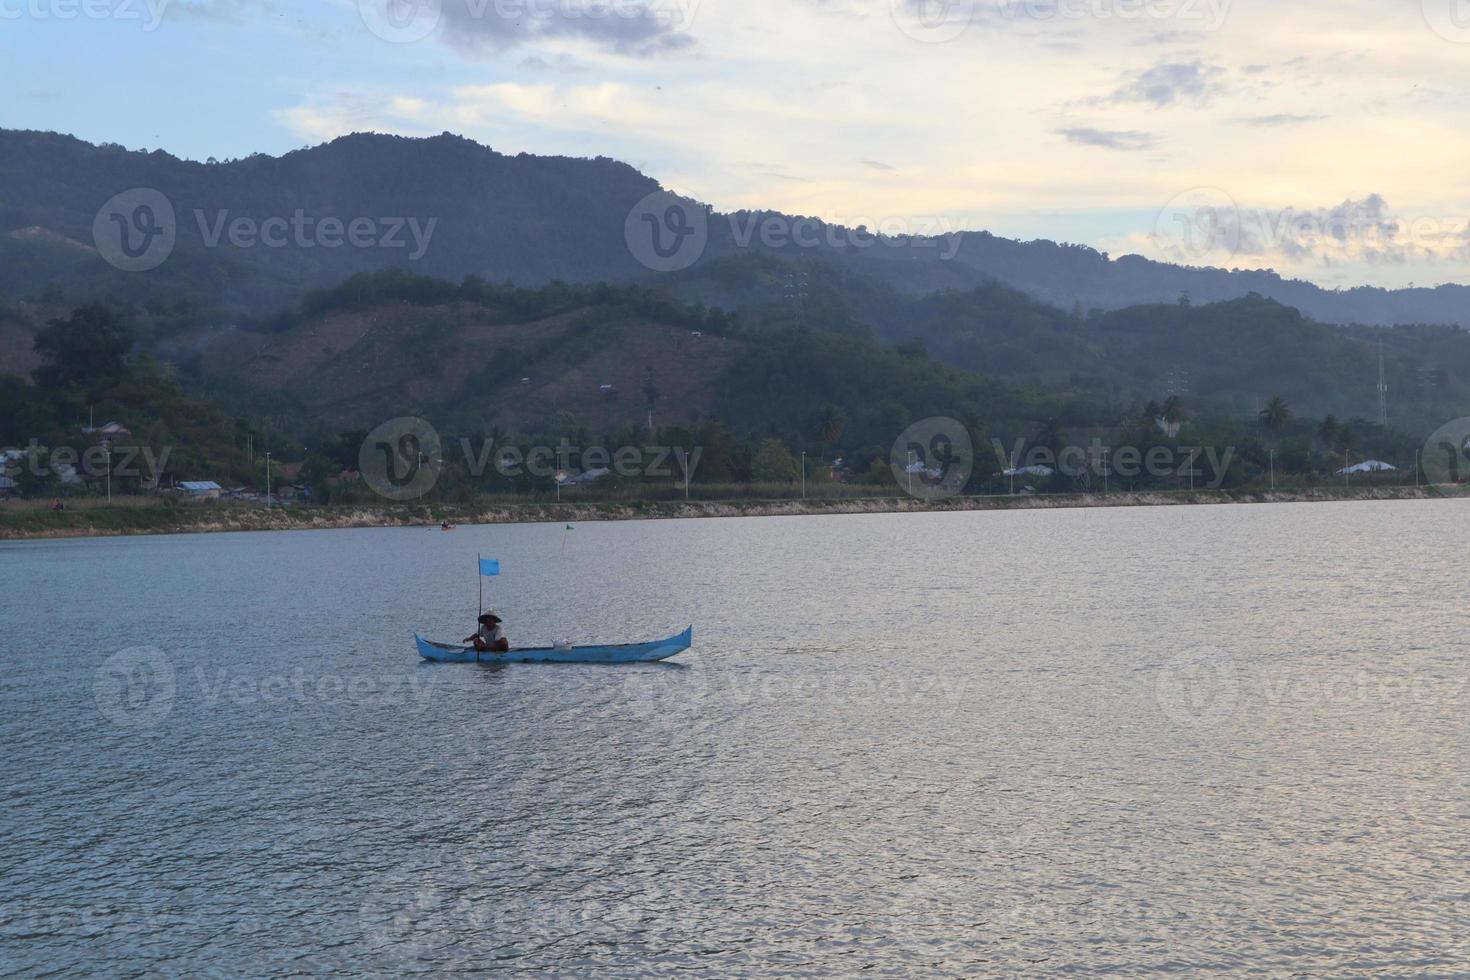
(595, 360)
(526, 219)
(1227, 358)
(448, 207)
(479, 356)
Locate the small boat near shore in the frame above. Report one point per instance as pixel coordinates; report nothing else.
(626, 653)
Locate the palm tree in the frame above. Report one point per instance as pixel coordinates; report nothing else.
(1276, 415)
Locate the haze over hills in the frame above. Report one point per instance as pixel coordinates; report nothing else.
(530, 220)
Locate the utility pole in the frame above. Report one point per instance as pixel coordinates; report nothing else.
(1382, 388)
(1273, 469)
(803, 475)
(267, 480)
(911, 472)
(107, 448)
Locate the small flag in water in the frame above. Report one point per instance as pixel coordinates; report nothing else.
(570, 528)
(489, 566)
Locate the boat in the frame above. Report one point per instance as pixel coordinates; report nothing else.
(626, 653)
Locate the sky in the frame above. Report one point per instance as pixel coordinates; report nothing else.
(1325, 139)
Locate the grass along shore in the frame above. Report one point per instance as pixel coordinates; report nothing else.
(125, 516)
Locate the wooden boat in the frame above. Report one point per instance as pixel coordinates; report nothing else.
(626, 653)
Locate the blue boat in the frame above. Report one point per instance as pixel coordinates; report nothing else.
(626, 653)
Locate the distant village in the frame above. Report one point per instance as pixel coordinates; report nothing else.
(74, 475)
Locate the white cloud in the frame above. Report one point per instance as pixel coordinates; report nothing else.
(786, 105)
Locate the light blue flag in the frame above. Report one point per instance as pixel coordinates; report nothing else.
(489, 566)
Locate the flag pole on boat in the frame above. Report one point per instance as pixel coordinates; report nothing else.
(480, 564)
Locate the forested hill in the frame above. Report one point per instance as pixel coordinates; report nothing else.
(520, 218)
(525, 219)
(386, 340)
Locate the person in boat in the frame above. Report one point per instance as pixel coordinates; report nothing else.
(490, 637)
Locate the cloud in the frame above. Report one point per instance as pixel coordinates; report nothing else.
(1364, 232)
(1108, 139)
(1170, 83)
(1282, 119)
(233, 12)
(877, 165)
(1163, 37)
(636, 28)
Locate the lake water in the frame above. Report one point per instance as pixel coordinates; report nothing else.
(1168, 740)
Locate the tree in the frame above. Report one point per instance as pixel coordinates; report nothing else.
(1276, 415)
(1173, 410)
(1051, 438)
(716, 463)
(774, 463)
(1328, 432)
(88, 350)
(831, 424)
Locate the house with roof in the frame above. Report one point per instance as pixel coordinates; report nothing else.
(201, 490)
(1368, 466)
(111, 430)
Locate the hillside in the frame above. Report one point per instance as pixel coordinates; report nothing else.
(1226, 358)
(596, 360)
(595, 364)
(526, 219)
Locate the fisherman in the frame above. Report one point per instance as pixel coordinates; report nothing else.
(489, 638)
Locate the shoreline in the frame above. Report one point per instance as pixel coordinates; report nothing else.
(17, 525)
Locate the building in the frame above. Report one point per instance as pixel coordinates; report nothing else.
(1368, 466)
(201, 489)
(111, 430)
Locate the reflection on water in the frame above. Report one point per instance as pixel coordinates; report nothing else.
(1167, 740)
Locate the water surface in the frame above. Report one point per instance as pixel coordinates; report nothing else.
(1156, 740)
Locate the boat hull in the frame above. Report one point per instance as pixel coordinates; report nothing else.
(626, 653)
